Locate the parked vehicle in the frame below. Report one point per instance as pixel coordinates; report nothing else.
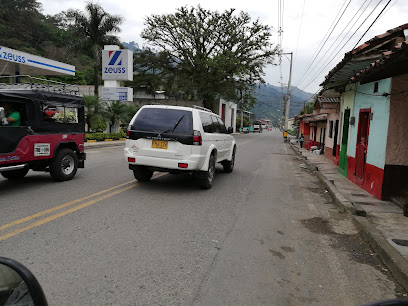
(257, 127)
(178, 140)
(37, 140)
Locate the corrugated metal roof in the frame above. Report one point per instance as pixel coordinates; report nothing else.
(322, 99)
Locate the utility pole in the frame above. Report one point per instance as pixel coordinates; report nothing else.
(287, 100)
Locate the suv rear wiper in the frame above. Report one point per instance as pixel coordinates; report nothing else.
(172, 129)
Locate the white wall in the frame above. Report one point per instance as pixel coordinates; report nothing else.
(230, 113)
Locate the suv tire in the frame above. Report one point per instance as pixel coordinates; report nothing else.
(229, 164)
(64, 165)
(207, 177)
(142, 174)
(15, 174)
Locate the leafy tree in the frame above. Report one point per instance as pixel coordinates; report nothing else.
(309, 107)
(214, 54)
(150, 68)
(93, 30)
(21, 25)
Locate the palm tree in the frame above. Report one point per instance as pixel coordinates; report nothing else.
(93, 30)
(116, 112)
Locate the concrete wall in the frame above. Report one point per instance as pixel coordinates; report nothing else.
(397, 142)
(380, 108)
(332, 115)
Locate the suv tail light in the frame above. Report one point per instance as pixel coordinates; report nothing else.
(197, 140)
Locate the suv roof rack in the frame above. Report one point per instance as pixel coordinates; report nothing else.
(203, 108)
(41, 85)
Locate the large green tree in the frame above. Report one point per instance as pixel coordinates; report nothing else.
(216, 54)
(93, 29)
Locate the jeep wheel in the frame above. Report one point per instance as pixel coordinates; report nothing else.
(208, 176)
(15, 174)
(64, 165)
(142, 174)
(229, 164)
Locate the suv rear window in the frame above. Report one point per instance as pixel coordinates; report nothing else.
(163, 119)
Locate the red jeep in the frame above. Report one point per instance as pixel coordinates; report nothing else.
(38, 140)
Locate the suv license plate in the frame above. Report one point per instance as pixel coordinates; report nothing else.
(159, 144)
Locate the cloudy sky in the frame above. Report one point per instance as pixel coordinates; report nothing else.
(305, 23)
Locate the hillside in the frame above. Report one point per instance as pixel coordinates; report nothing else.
(269, 99)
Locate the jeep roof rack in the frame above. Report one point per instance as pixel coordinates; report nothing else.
(34, 83)
(203, 108)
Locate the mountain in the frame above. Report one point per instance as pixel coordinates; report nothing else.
(269, 101)
(134, 47)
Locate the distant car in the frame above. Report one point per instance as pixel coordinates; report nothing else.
(178, 139)
(257, 128)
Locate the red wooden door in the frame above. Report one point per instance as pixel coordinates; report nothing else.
(362, 142)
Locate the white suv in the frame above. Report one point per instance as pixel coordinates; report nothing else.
(178, 139)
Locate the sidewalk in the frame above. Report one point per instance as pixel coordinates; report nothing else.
(380, 223)
(102, 144)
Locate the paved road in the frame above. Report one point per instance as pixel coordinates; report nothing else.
(265, 234)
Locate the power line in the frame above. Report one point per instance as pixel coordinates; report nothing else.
(322, 45)
(335, 56)
(389, 8)
(332, 58)
(372, 23)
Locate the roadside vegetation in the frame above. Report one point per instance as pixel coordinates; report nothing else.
(200, 54)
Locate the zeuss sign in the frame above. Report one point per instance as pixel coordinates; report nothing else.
(117, 65)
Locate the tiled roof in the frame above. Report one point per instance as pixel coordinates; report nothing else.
(388, 65)
(366, 50)
(304, 116)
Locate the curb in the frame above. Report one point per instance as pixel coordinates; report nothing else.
(342, 203)
(391, 258)
(103, 144)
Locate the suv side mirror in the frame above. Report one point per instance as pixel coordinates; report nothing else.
(230, 130)
(18, 286)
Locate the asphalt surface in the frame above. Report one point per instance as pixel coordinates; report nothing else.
(268, 233)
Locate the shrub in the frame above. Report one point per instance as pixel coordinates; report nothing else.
(103, 136)
(98, 124)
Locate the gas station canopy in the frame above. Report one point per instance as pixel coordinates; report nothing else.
(13, 62)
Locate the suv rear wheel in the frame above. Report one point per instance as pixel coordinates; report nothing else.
(229, 164)
(142, 174)
(64, 165)
(208, 176)
(15, 174)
